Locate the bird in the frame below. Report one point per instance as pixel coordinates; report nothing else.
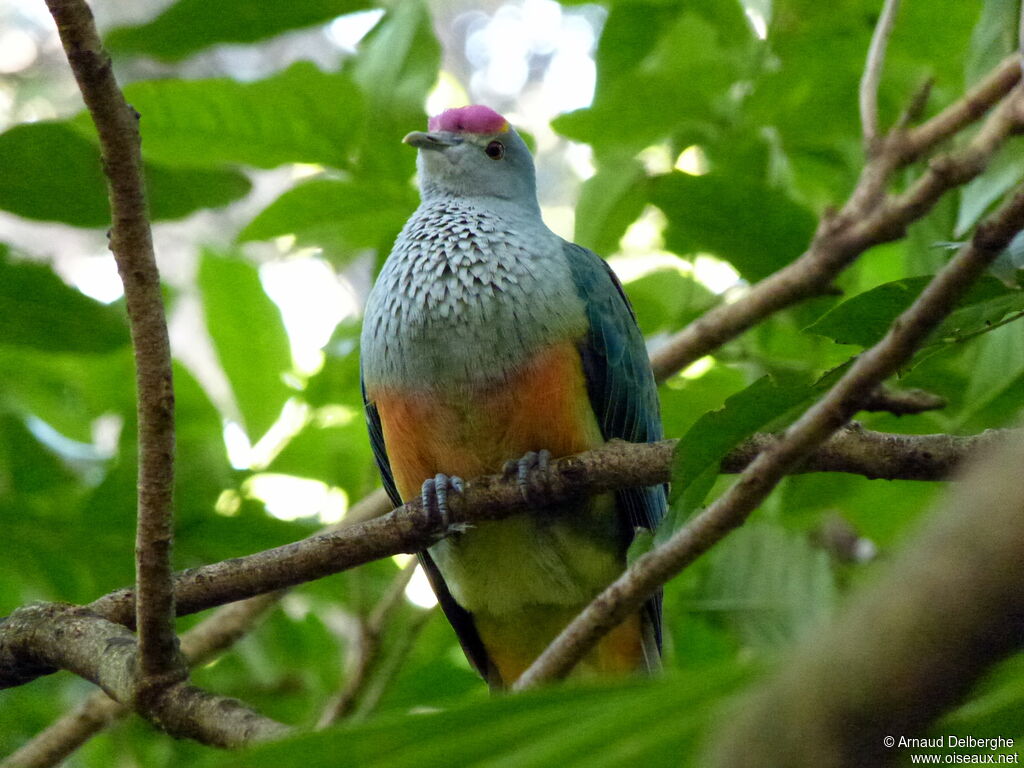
(490, 345)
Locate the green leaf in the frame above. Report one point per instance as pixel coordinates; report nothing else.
(630, 33)
(26, 465)
(683, 63)
(336, 453)
(767, 583)
(249, 337)
(864, 319)
(996, 708)
(1004, 172)
(201, 471)
(399, 59)
(396, 67)
(756, 228)
(52, 173)
(993, 38)
(188, 26)
(68, 390)
(301, 115)
(609, 202)
(714, 434)
(998, 369)
(338, 381)
(38, 310)
(666, 300)
(340, 216)
(596, 727)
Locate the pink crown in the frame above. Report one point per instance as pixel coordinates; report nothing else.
(473, 119)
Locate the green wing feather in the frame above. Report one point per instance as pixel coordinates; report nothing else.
(620, 384)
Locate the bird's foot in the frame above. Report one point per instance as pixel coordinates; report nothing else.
(434, 495)
(531, 473)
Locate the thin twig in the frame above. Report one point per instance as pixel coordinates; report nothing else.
(966, 110)
(902, 402)
(390, 666)
(869, 81)
(366, 652)
(649, 572)
(876, 455)
(132, 245)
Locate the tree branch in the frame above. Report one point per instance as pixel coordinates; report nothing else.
(902, 402)
(366, 653)
(649, 572)
(132, 245)
(975, 103)
(867, 219)
(876, 455)
(410, 528)
(199, 644)
(105, 653)
(907, 648)
(869, 81)
(97, 711)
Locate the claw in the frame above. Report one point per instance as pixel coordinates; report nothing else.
(434, 494)
(510, 470)
(536, 462)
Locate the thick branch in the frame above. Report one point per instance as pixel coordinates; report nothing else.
(410, 528)
(869, 81)
(867, 219)
(208, 638)
(906, 649)
(132, 245)
(104, 653)
(649, 572)
(877, 455)
(97, 711)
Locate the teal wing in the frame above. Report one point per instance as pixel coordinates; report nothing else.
(620, 385)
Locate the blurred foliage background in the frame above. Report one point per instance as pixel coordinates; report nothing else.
(693, 144)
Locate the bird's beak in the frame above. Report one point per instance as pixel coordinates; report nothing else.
(433, 140)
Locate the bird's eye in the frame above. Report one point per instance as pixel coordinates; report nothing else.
(495, 150)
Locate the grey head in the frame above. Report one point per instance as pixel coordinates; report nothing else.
(473, 153)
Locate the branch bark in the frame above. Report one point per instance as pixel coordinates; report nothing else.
(199, 644)
(907, 648)
(97, 711)
(876, 455)
(867, 219)
(649, 572)
(132, 245)
(902, 402)
(411, 528)
(105, 653)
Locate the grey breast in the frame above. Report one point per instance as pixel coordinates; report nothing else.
(465, 296)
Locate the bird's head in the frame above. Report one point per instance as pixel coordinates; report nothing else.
(474, 152)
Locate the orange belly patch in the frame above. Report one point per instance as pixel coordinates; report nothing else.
(522, 580)
(544, 404)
